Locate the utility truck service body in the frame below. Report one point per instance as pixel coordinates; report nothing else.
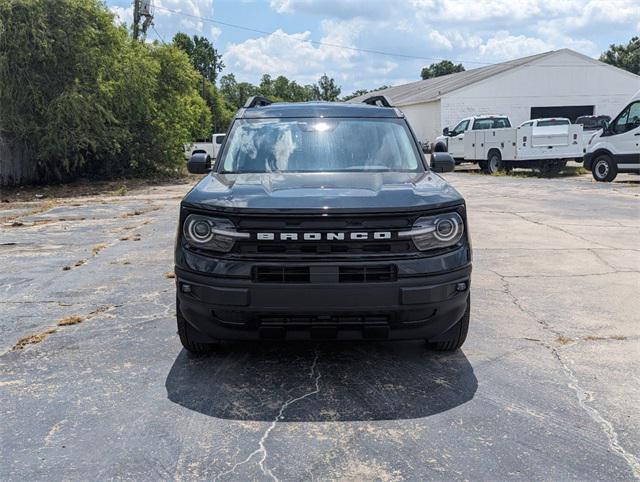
(546, 144)
(205, 146)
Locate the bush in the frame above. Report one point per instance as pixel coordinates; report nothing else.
(79, 97)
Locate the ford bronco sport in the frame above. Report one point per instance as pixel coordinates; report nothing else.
(322, 221)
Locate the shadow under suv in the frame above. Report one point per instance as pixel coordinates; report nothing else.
(322, 221)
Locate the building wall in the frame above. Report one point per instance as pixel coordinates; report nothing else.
(424, 119)
(562, 79)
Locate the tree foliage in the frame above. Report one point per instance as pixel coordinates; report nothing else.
(203, 55)
(326, 89)
(359, 92)
(82, 98)
(443, 67)
(626, 57)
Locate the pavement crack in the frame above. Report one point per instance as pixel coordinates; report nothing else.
(314, 374)
(584, 396)
(557, 228)
(581, 393)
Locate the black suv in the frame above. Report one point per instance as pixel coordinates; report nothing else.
(322, 221)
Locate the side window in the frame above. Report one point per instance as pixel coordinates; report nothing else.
(501, 123)
(527, 124)
(482, 124)
(461, 127)
(629, 119)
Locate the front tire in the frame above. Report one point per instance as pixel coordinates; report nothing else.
(187, 336)
(458, 333)
(493, 164)
(604, 169)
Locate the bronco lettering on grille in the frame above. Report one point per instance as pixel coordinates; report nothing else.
(332, 236)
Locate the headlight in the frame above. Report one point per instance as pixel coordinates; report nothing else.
(206, 232)
(439, 231)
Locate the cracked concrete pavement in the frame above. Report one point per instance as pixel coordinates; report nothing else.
(546, 386)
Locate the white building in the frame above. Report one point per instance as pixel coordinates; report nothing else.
(561, 83)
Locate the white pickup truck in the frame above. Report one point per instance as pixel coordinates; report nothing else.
(204, 146)
(491, 142)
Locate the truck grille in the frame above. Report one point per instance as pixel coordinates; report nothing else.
(331, 274)
(322, 225)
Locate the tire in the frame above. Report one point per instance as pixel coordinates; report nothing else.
(604, 169)
(494, 163)
(186, 334)
(552, 168)
(440, 147)
(459, 333)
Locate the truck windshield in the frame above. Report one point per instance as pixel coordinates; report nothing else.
(320, 145)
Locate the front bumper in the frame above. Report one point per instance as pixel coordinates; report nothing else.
(416, 307)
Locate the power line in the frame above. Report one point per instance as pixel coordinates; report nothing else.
(517, 62)
(158, 34)
(315, 42)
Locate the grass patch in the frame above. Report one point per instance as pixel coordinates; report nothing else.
(564, 340)
(96, 249)
(170, 275)
(602, 338)
(70, 320)
(33, 339)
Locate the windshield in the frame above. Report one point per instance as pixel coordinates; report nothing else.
(320, 145)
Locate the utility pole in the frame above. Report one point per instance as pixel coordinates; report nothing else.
(136, 19)
(141, 8)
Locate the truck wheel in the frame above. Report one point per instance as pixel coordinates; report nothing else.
(494, 163)
(440, 147)
(458, 331)
(186, 334)
(604, 169)
(552, 168)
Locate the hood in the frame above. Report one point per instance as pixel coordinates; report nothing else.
(346, 191)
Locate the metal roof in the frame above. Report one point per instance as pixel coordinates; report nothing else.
(317, 109)
(433, 89)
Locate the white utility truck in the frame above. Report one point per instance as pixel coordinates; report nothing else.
(616, 148)
(204, 146)
(543, 144)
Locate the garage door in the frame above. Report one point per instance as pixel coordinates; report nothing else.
(569, 111)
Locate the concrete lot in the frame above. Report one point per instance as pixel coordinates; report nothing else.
(546, 387)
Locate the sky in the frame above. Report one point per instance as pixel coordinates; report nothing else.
(303, 39)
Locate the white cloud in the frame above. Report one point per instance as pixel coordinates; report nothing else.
(503, 46)
(122, 14)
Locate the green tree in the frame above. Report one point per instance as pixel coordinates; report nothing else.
(626, 57)
(444, 67)
(236, 93)
(359, 92)
(87, 99)
(326, 89)
(203, 55)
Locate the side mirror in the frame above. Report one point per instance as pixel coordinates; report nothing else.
(442, 162)
(199, 163)
(445, 131)
(219, 139)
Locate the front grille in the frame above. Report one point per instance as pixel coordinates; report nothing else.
(281, 274)
(324, 274)
(366, 274)
(320, 320)
(301, 224)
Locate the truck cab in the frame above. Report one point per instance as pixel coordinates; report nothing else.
(452, 141)
(616, 148)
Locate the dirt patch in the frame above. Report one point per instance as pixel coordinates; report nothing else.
(96, 249)
(133, 237)
(87, 187)
(70, 320)
(170, 275)
(33, 339)
(77, 264)
(564, 340)
(602, 338)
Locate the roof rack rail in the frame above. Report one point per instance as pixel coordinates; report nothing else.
(378, 100)
(256, 101)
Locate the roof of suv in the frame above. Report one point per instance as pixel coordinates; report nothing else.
(317, 109)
